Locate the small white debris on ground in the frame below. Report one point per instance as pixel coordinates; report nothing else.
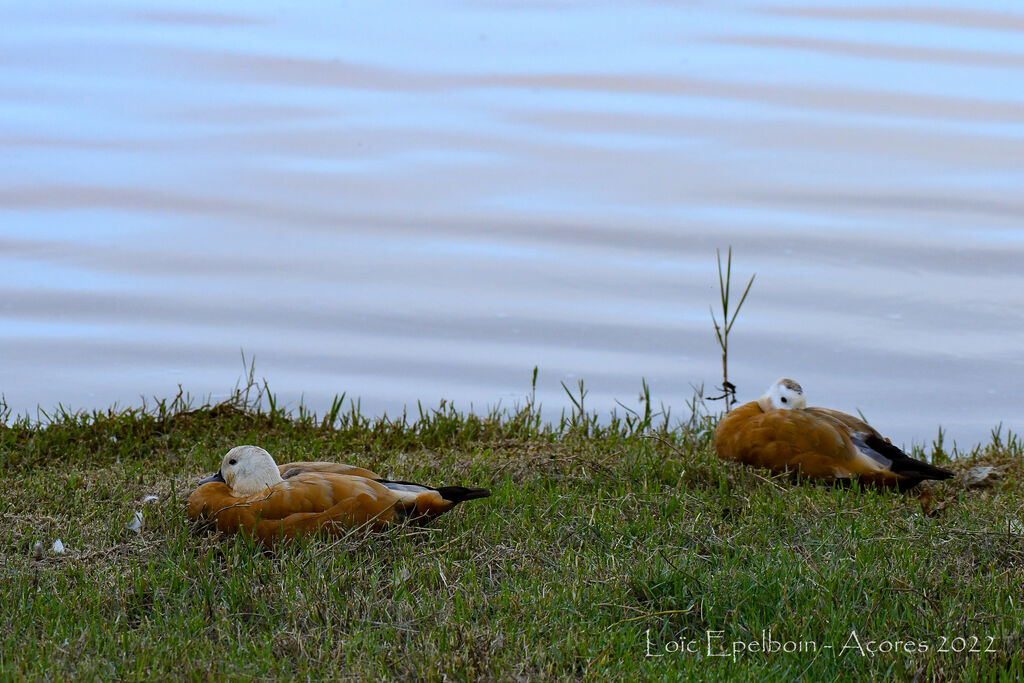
(135, 524)
(1015, 526)
(981, 475)
(401, 577)
(57, 548)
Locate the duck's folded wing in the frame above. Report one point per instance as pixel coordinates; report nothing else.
(894, 467)
(874, 453)
(293, 468)
(853, 424)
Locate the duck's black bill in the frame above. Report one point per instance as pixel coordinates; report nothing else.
(217, 477)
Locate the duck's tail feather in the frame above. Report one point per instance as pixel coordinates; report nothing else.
(452, 494)
(913, 471)
(457, 494)
(424, 502)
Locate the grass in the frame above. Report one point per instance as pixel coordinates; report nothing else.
(604, 541)
(722, 331)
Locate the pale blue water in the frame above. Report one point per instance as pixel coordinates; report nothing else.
(410, 201)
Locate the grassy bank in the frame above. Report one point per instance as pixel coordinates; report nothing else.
(603, 542)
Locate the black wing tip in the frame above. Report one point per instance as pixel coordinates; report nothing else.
(453, 494)
(903, 464)
(925, 473)
(915, 469)
(457, 494)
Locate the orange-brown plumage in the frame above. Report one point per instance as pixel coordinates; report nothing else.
(253, 495)
(293, 468)
(777, 432)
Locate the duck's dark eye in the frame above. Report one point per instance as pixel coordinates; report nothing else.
(235, 462)
(784, 400)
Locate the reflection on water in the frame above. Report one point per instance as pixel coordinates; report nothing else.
(414, 202)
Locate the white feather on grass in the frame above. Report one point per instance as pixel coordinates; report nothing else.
(135, 524)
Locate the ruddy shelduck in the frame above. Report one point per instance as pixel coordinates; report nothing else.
(780, 433)
(252, 494)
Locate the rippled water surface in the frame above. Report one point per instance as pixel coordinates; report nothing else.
(410, 201)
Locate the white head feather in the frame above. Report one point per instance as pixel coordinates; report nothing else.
(783, 394)
(247, 470)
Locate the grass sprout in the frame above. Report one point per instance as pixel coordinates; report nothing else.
(722, 330)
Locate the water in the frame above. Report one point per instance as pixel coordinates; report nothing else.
(406, 202)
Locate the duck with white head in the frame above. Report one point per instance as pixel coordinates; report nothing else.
(250, 493)
(780, 433)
